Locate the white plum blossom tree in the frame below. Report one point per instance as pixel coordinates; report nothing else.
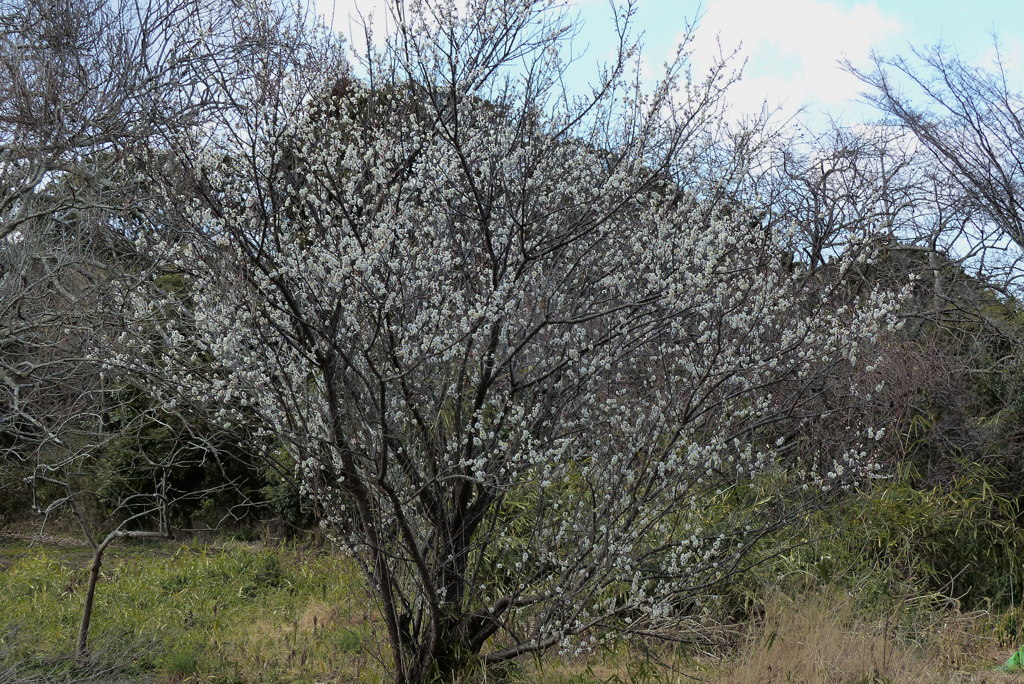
(517, 341)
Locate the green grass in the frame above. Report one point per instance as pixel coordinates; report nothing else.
(229, 613)
(233, 613)
(247, 613)
(236, 613)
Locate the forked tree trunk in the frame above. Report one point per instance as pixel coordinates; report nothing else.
(82, 650)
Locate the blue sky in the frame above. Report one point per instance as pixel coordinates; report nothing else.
(792, 47)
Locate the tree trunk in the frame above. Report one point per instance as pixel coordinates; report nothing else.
(90, 593)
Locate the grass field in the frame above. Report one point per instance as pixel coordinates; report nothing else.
(231, 613)
(239, 613)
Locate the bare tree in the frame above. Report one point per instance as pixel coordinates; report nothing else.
(839, 187)
(968, 123)
(85, 90)
(73, 485)
(971, 121)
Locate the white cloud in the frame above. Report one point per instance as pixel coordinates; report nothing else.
(793, 48)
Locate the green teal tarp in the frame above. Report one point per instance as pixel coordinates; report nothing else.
(1015, 663)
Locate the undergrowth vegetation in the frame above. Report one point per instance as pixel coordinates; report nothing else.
(902, 583)
(958, 542)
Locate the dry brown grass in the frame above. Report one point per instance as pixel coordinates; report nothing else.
(822, 640)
